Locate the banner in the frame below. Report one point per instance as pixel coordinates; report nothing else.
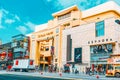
(101, 49)
(78, 55)
(52, 50)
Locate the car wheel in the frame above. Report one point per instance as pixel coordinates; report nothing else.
(117, 74)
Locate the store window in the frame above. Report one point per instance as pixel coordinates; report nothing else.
(99, 28)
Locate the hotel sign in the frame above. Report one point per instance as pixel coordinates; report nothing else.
(45, 34)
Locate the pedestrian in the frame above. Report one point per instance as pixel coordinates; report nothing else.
(95, 70)
(9, 67)
(55, 68)
(89, 71)
(73, 68)
(86, 70)
(76, 71)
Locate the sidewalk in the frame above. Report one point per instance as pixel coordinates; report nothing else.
(70, 76)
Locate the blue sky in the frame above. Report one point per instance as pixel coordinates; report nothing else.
(21, 16)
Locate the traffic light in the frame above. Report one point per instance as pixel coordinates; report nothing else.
(117, 21)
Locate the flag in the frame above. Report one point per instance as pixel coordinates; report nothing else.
(52, 50)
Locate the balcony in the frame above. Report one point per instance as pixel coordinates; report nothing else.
(46, 53)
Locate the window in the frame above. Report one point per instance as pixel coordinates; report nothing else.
(99, 28)
(118, 68)
(64, 16)
(47, 48)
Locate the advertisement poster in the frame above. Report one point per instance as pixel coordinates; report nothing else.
(101, 49)
(101, 52)
(78, 55)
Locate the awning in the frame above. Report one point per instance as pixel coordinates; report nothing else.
(99, 62)
(77, 63)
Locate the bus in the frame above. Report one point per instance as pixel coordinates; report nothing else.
(113, 65)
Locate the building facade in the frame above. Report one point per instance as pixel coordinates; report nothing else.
(6, 55)
(91, 43)
(20, 45)
(46, 40)
(73, 37)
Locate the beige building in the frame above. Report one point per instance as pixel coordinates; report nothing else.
(91, 43)
(46, 40)
(72, 35)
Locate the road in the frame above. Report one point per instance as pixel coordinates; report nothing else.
(21, 77)
(50, 76)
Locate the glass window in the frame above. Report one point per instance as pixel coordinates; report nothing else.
(64, 16)
(117, 67)
(99, 28)
(110, 67)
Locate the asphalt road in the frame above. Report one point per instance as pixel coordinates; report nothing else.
(21, 77)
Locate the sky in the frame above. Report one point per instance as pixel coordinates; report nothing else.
(21, 16)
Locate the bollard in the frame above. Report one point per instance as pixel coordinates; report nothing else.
(97, 76)
(41, 73)
(60, 74)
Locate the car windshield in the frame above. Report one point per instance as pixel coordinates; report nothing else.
(117, 67)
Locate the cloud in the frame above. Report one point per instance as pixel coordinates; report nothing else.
(22, 29)
(16, 17)
(49, 0)
(8, 18)
(82, 4)
(117, 1)
(1, 16)
(30, 25)
(9, 21)
(1, 27)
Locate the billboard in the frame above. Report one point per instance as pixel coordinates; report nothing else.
(101, 49)
(78, 55)
(101, 52)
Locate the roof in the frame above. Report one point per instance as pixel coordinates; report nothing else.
(18, 35)
(41, 27)
(64, 11)
(111, 5)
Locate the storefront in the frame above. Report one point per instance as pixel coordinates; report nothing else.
(45, 48)
(99, 55)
